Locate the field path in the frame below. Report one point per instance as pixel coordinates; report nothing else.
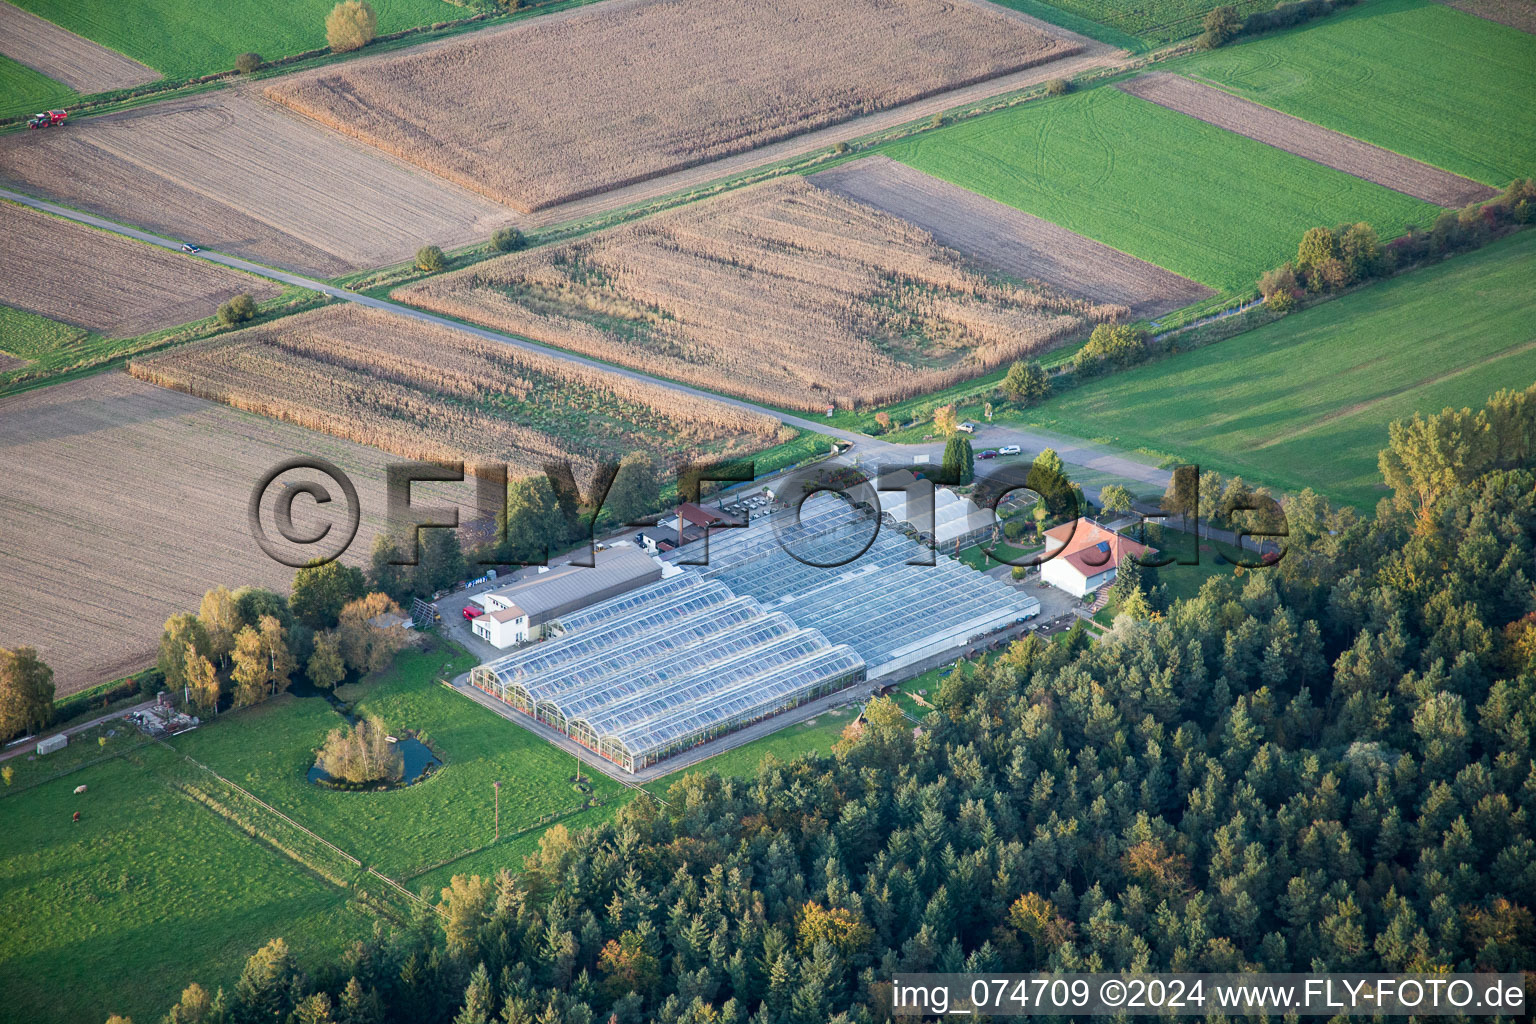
(1305, 139)
(84, 66)
(1011, 240)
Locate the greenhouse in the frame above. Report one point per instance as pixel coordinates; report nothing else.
(790, 609)
(666, 667)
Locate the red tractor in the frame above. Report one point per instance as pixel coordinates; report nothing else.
(48, 119)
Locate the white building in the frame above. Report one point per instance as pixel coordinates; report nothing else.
(1082, 556)
(518, 613)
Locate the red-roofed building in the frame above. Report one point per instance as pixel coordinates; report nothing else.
(1082, 556)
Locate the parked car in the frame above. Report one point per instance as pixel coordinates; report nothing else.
(988, 454)
(471, 612)
(1008, 449)
(967, 427)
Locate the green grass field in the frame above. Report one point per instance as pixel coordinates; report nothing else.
(1200, 201)
(148, 891)
(24, 92)
(187, 38)
(271, 748)
(1412, 76)
(1305, 401)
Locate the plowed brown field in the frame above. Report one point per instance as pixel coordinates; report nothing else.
(1306, 139)
(784, 294)
(106, 283)
(123, 502)
(1010, 240)
(235, 173)
(553, 109)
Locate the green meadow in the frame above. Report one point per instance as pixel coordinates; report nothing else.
(1203, 202)
(1305, 401)
(187, 38)
(148, 891)
(1412, 76)
(23, 92)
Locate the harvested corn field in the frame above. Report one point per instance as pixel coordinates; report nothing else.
(557, 108)
(427, 392)
(106, 283)
(1010, 240)
(784, 294)
(234, 173)
(1306, 139)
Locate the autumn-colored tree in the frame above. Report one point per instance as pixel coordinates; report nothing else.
(366, 647)
(274, 645)
(351, 25)
(327, 666)
(883, 421)
(946, 420)
(250, 668)
(836, 925)
(26, 692)
(181, 629)
(628, 966)
(202, 682)
(1037, 917)
(221, 619)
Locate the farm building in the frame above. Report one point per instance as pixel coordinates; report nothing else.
(519, 613)
(761, 629)
(1081, 556)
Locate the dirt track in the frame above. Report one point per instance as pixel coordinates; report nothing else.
(1011, 240)
(1306, 139)
(236, 173)
(84, 66)
(106, 283)
(123, 502)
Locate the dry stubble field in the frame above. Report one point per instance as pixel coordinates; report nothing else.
(557, 108)
(784, 293)
(1010, 240)
(1306, 139)
(105, 283)
(235, 173)
(426, 392)
(123, 502)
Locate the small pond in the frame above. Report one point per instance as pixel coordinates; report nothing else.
(419, 763)
(419, 760)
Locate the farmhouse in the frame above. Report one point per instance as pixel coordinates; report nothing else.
(520, 613)
(1081, 556)
(789, 609)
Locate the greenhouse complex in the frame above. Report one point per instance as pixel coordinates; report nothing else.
(757, 631)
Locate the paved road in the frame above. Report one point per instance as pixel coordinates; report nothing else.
(28, 746)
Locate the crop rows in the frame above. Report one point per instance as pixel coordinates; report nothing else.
(555, 108)
(785, 294)
(426, 392)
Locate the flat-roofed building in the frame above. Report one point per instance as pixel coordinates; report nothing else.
(519, 613)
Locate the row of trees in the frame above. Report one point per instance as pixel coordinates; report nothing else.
(1331, 259)
(248, 644)
(1324, 766)
(1224, 24)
